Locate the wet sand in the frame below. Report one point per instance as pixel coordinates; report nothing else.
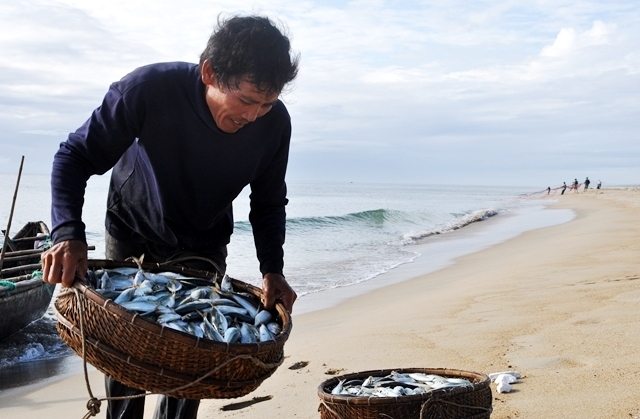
(558, 304)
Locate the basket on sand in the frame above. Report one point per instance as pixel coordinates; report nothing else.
(469, 402)
(148, 356)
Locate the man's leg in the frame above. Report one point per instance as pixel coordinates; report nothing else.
(166, 407)
(123, 409)
(127, 408)
(120, 250)
(172, 408)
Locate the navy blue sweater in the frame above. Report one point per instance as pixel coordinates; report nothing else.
(175, 174)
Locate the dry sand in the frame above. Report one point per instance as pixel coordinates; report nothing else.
(558, 304)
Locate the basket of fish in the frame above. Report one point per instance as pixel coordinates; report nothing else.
(409, 393)
(172, 330)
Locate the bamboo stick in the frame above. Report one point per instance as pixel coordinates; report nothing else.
(13, 205)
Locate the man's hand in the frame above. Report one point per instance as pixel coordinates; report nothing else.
(276, 288)
(64, 261)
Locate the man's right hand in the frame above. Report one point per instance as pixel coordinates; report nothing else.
(62, 262)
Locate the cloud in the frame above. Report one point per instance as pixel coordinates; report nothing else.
(568, 40)
(384, 87)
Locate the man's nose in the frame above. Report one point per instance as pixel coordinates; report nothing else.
(252, 113)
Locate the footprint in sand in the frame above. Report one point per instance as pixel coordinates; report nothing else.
(299, 365)
(334, 371)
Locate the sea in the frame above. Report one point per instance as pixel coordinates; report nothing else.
(339, 235)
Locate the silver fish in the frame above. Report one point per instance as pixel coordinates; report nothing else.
(225, 284)
(210, 331)
(105, 282)
(265, 334)
(247, 335)
(274, 328)
(168, 318)
(195, 330)
(219, 320)
(230, 310)
(125, 296)
(244, 302)
(192, 306)
(232, 335)
(338, 388)
(174, 286)
(263, 317)
(139, 306)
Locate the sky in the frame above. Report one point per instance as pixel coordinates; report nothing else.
(514, 93)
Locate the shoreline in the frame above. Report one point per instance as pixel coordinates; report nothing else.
(441, 251)
(536, 302)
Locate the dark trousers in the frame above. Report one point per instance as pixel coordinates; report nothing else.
(167, 407)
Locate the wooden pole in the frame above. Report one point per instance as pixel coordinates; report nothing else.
(13, 205)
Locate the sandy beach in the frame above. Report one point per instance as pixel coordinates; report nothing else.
(557, 304)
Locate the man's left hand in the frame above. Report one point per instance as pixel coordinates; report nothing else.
(276, 288)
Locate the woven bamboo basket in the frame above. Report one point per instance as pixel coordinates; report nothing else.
(469, 402)
(148, 356)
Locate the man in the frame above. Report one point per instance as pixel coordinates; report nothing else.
(183, 141)
(586, 184)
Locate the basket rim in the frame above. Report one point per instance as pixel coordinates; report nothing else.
(101, 346)
(176, 335)
(482, 382)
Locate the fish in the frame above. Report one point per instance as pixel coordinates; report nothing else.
(196, 306)
(173, 286)
(105, 282)
(177, 326)
(247, 335)
(244, 302)
(232, 335)
(265, 334)
(397, 384)
(262, 317)
(219, 320)
(168, 318)
(210, 331)
(191, 306)
(195, 330)
(274, 328)
(338, 388)
(125, 296)
(225, 284)
(139, 306)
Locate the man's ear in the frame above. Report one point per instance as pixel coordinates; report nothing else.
(207, 74)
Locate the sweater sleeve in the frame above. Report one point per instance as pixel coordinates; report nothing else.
(268, 216)
(94, 148)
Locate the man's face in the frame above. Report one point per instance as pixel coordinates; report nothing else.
(232, 108)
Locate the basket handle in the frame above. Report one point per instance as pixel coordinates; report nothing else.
(173, 262)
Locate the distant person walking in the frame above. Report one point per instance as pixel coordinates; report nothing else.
(548, 190)
(586, 184)
(575, 185)
(599, 184)
(564, 188)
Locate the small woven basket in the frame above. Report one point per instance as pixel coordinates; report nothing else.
(468, 402)
(148, 356)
